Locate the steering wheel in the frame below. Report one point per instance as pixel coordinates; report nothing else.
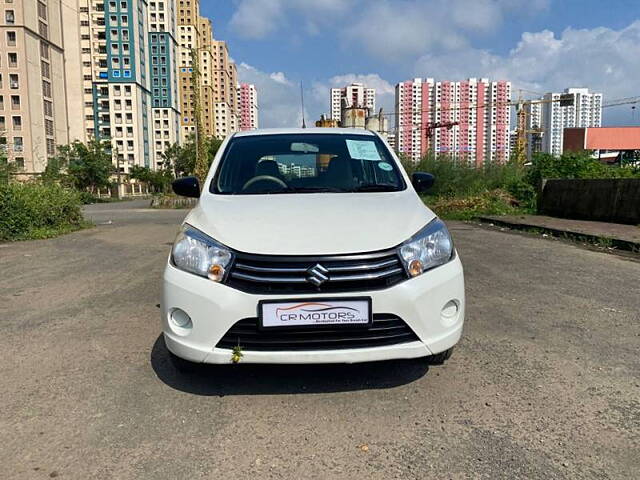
(264, 178)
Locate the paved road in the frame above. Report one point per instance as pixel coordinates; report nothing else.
(545, 383)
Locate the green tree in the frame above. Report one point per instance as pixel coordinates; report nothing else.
(6, 169)
(158, 180)
(181, 159)
(83, 166)
(572, 165)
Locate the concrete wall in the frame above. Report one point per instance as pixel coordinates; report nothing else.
(604, 200)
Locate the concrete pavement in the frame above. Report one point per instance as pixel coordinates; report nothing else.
(625, 237)
(544, 384)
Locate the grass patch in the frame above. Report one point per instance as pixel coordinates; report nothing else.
(463, 191)
(469, 207)
(34, 211)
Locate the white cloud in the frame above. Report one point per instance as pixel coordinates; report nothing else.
(371, 80)
(278, 97)
(256, 18)
(260, 18)
(279, 77)
(400, 29)
(603, 59)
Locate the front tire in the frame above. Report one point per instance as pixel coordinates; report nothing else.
(439, 358)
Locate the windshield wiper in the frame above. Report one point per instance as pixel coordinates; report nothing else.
(376, 187)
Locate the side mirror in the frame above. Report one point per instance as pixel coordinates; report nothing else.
(186, 187)
(422, 181)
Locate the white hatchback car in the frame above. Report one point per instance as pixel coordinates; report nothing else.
(310, 246)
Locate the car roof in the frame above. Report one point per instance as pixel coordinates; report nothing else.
(306, 131)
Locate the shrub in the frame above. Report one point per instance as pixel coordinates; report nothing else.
(493, 202)
(32, 210)
(573, 165)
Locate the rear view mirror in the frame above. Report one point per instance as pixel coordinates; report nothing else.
(186, 187)
(422, 181)
(304, 147)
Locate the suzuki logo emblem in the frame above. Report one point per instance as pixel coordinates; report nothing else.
(317, 275)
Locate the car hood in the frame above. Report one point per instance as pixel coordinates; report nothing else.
(311, 224)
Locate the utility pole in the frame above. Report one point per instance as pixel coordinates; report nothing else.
(201, 165)
(302, 102)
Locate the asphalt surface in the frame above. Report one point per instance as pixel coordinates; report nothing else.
(544, 384)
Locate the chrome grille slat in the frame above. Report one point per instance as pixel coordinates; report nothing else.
(370, 266)
(253, 268)
(365, 276)
(255, 278)
(314, 274)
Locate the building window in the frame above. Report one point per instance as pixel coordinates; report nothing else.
(9, 17)
(16, 122)
(48, 108)
(46, 72)
(48, 127)
(15, 102)
(19, 162)
(51, 146)
(13, 59)
(18, 145)
(14, 83)
(46, 88)
(43, 29)
(3, 124)
(11, 39)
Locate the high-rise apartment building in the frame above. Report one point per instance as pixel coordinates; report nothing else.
(163, 55)
(355, 95)
(126, 75)
(533, 112)
(216, 76)
(188, 48)
(478, 109)
(34, 101)
(225, 80)
(248, 106)
(115, 70)
(586, 111)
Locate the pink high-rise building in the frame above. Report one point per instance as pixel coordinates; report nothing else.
(480, 108)
(248, 106)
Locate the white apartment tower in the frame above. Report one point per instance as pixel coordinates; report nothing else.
(37, 87)
(476, 110)
(355, 95)
(586, 111)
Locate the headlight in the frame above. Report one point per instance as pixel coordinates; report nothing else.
(195, 252)
(427, 249)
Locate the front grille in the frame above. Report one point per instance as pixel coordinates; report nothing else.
(387, 329)
(316, 274)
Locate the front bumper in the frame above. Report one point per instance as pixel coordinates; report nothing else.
(214, 308)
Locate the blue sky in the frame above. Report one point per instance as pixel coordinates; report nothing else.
(539, 45)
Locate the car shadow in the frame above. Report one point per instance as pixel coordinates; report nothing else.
(253, 379)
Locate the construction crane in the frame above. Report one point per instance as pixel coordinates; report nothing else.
(432, 127)
(565, 100)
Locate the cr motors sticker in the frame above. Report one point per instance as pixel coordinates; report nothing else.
(316, 312)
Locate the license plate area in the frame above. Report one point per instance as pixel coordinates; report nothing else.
(352, 312)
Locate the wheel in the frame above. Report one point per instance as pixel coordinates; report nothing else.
(439, 358)
(180, 364)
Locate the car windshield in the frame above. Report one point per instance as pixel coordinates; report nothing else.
(306, 163)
